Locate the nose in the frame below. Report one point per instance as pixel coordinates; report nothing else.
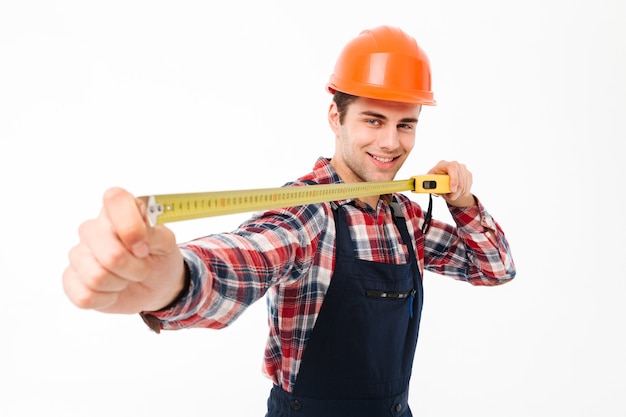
(388, 139)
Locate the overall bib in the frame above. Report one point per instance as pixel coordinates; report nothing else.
(358, 360)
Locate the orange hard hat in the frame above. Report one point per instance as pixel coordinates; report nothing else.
(383, 63)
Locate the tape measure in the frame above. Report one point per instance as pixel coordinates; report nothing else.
(167, 208)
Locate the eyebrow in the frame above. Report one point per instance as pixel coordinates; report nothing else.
(383, 117)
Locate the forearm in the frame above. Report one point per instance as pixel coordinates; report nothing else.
(476, 251)
(230, 271)
(223, 282)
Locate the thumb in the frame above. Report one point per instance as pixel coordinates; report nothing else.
(127, 217)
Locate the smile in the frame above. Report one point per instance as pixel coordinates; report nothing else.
(381, 159)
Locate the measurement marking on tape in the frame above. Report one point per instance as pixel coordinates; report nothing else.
(167, 208)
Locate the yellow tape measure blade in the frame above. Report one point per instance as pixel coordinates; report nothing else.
(167, 208)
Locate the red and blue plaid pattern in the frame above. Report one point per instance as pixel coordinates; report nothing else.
(287, 255)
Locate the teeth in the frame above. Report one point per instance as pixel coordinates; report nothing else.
(378, 158)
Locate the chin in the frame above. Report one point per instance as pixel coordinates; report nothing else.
(380, 178)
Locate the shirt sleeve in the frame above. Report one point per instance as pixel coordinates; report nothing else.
(476, 250)
(230, 271)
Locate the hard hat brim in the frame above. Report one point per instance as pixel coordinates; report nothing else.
(381, 93)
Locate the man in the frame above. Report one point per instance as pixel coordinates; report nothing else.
(343, 280)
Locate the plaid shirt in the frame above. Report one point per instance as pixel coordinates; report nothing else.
(288, 255)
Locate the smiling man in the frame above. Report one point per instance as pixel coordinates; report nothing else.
(373, 139)
(343, 279)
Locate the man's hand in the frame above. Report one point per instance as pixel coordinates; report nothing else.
(122, 264)
(460, 194)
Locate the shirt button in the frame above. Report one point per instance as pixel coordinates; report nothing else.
(296, 405)
(398, 408)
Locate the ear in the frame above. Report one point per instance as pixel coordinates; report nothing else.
(333, 118)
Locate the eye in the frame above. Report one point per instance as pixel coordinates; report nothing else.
(406, 126)
(373, 122)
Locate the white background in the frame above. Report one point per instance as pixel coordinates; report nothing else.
(161, 97)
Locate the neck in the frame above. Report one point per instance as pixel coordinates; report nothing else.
(371, 201)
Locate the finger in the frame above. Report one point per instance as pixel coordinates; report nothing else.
(92, 274)
(460, 179)
(82, 296)
(463, 179)
(109, 253)
(452, 169)
(128, 220)
(162, 241)
(440, 168)
(468, 181)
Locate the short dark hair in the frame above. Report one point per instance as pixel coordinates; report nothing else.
(343, 100)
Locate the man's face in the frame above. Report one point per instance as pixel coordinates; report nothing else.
(374, 140)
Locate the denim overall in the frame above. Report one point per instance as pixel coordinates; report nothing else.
(359, 357)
